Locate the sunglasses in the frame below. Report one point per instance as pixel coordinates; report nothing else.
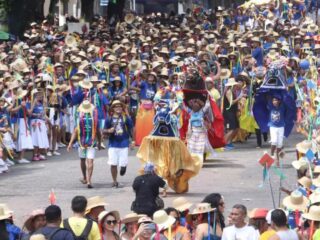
(111, 222)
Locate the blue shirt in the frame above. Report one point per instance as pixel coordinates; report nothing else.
(257, 54)
(100, 101)
(276, 116)
(14, 231)
(298, 9)
(38, 109)
(121, 135)
(85, 122)
(147, 90)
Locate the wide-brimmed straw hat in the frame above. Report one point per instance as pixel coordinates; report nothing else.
(37, 237)
(4, 213)
(32, 216)
(103, 214)
(116, 103)
(315, 196)
(305, 182)
(316, 169)
(305, 145)
(300, 164)
(163, 220)
(86, 107)
(313, 213)
(225, 73)
(94, 202)
(130, 217)
(296, 201)
(231, 82)
(202, 208)
(135, 65)
(181, 204)
(85, 84)
(21, 93)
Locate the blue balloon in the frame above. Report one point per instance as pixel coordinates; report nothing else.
(304, 64)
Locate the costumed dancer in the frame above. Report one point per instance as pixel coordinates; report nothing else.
(274, 108)
(145, 113)
(88, 136)
(119, 128)
(38, 125)
(24, 139)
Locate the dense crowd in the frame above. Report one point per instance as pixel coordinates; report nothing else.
(259, 65)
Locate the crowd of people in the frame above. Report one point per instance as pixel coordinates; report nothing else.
(254, 68)
(92, 220)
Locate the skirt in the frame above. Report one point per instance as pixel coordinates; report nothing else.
(39, 133)
(144, 124)
(24, 140)
(7, 141)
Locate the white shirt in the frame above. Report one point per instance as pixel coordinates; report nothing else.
(244, 233)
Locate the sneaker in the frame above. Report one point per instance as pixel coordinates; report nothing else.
(10, 163)
(55, 153)
(35, 158)
(61, 145)
(23, 160)
(103, 146)
(229, 146)
(42, 157)
(49, 154)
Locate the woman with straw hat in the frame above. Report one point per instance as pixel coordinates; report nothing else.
(108, 221)
(230, 110)
(38, 125)
(20, 109)
(201, 215)
(130, 222)
(34, 222)
(145, 114)
(178, 231)
(88, 136)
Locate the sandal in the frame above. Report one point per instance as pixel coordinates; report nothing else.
(90, 186)
(83, 181)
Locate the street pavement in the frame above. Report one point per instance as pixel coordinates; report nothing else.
(235, 174)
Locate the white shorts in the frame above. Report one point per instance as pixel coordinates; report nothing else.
(118, 156)
(276, 136)
(87, 153)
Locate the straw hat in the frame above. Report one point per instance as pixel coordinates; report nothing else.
(296, 201)
(135, 65)
(316, 181)
(103, 214)
(94, 78)
(255, 39)
(305, 182)
(312, 28)
(300, 164)
(4, 214)
(202, 208)
(181, 204)
(231, 82)
(21, 93)
(313, 214)
(94, 202)
(163, 220)
(316, 169)
(130, 217)
(117, 102)
(33, 215)
(86, 107)
(315, 196)
(304, 146)
(85, 84)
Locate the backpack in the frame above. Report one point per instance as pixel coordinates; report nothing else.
(86, 231)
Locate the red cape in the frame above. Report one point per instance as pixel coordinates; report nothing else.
(215, 132)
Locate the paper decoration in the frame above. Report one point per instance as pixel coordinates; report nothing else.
(266, 160)
(310, 155)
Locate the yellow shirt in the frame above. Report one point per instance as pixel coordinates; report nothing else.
(316, 235)
(78, 224)
(215, 94)
(267, 234)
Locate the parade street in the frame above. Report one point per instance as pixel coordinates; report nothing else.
(235, 174)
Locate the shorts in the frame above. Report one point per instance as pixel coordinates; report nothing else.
(118, 156)
(276, 136)
(87, 153)
(231, 120)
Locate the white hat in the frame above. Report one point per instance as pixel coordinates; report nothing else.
(163, 220)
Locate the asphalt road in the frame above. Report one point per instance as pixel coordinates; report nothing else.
(235, 174)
